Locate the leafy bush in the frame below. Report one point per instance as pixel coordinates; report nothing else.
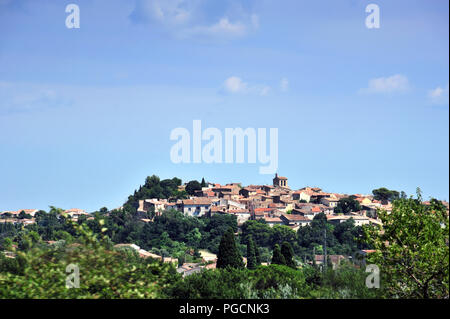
(273, 281)
(40, 272)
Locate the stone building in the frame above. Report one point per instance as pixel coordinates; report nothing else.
(280, 181)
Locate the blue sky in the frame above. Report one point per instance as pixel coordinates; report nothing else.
(86, 114)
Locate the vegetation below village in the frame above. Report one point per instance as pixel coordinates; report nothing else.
(411, 252)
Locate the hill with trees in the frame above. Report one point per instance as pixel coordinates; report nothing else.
(411, 248)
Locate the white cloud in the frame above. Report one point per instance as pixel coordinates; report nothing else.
(284, 84)
(165, 12)
(190, 18)
(439, 95)
(393, 84)
(265, 90)
(255, 21)
(23, 97)
(222, 28)
(235, 85)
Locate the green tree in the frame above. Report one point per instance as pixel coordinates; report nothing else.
(384, 195)
(277, 256)
(288, 254)
(211, 284)
(282, 233)
(273, 281)
(251, 254)
(23, 215)
(40, 271)
(412, 249)
(259, 231)
(193, 186)
(347, 205)
(155, 188)
(229, 255)
(194, 237)
(7, 243)
(257, 254)
(203, 183)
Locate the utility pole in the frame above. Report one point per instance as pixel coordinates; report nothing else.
(314, 257)
(325, 250)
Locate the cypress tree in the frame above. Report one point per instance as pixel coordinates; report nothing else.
(229, 255)
(288, 254)
(257, 254)
(251, 254)
(277, 256)
(203, 183)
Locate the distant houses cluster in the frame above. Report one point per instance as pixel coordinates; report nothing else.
(276, 204)
(27, 216)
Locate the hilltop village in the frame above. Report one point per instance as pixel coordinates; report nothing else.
(275, 204)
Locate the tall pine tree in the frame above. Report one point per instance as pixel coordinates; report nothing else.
(288, 254)
(277, 256)
(229, 255)
(257, 254)
(251, 254)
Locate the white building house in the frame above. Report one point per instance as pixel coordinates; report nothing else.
(195, 207)
(329, 201)
(359, 220)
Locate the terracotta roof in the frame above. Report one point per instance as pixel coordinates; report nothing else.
(355, 217)
(218, 208)
(331, 199)
(197, 201)
(255, 186)
(76, 211)
(315, 209)
(239, 211)
(275, 205)
(293, 217)
(260, 210)
(28, 211)
(320, 194)
(273, 219)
